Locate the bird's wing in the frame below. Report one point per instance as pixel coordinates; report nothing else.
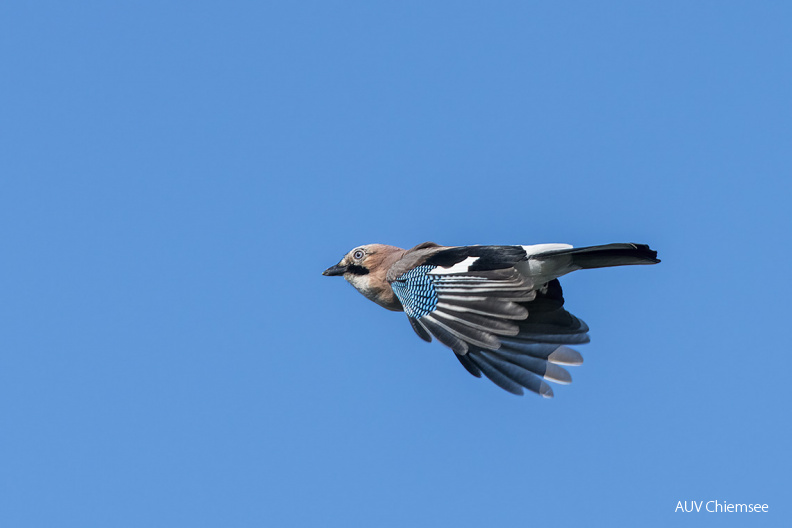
(535, 353)
(496, 320)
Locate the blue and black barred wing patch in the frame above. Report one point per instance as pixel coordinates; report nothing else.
(416, 291)
(463, 308)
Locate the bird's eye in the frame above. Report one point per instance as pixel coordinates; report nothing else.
(358, 254)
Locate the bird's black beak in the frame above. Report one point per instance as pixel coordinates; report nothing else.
(335, 270)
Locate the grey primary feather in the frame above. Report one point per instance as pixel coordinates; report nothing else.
(469, 366)
(565, 356)
(495, 376)
(489, 307)
(464, 332)
(537, 337)
(506, 278)
(444, 336)
(518, 374)
(422, 332)
(537, 350)
(540, 367)
(559, 354)
(472, 294)
(483, 282)
(481, 322)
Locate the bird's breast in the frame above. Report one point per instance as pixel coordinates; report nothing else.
(376, 290)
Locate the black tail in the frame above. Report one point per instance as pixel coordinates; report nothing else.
(606, 256)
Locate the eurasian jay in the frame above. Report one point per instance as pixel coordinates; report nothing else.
(499, 308)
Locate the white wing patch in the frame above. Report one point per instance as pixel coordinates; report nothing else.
(543, 248)
(459, 267)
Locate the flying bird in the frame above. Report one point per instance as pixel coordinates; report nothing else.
(499, 308)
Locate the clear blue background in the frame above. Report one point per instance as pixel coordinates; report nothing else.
(174, 176)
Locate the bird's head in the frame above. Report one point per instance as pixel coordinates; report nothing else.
(365, 268)
(356, 263)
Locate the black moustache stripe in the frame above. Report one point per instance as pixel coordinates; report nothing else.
(357, 270)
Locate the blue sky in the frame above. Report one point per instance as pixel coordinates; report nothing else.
(175, 176)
